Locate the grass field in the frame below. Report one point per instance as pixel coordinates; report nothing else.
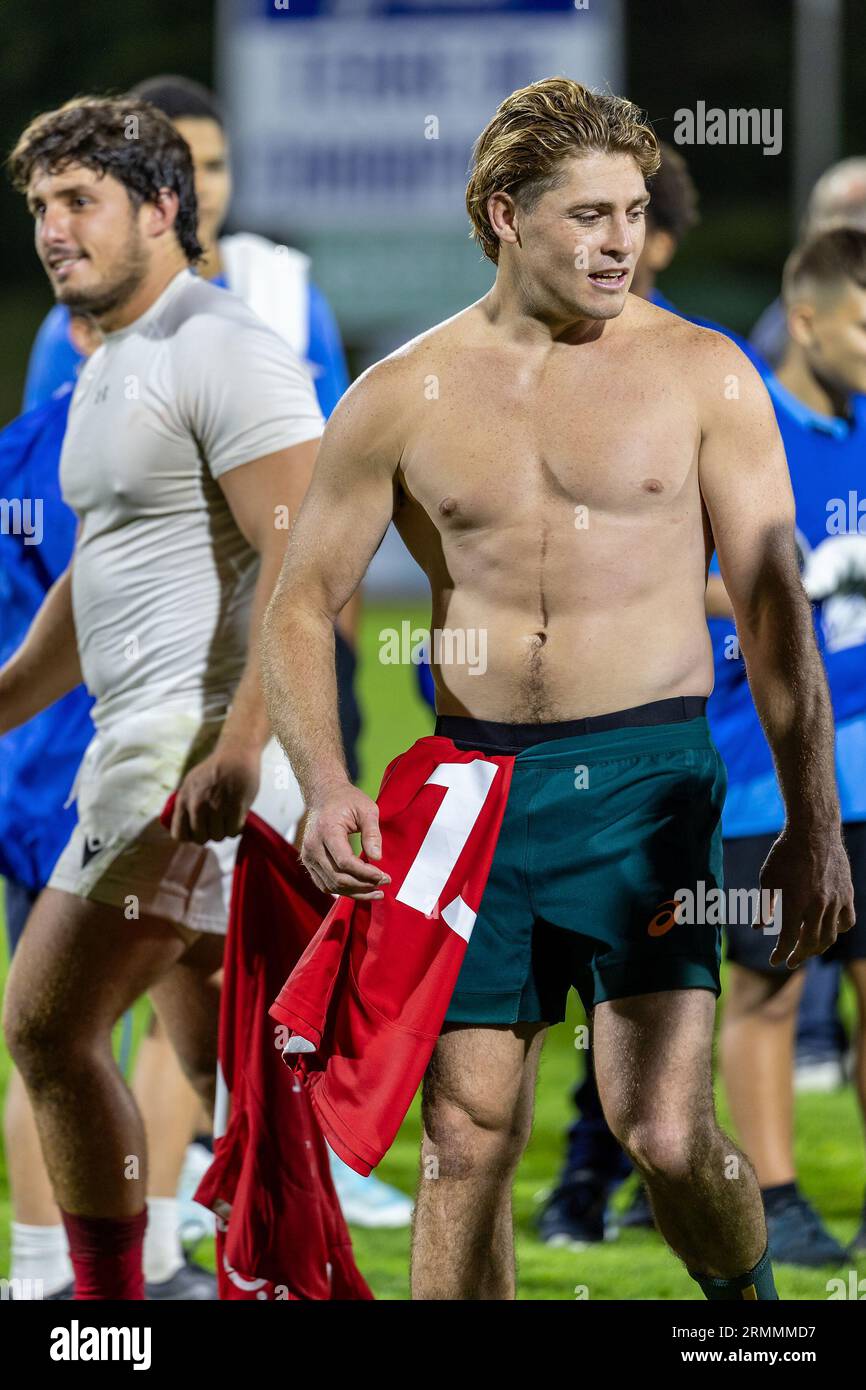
(635, 1266)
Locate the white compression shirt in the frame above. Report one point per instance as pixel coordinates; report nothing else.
(162, 578)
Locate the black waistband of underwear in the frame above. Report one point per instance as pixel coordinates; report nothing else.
(487, 734)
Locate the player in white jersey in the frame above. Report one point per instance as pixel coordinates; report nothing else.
(190, 444)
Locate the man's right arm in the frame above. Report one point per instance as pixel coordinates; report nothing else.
(45, 666)
(340, 526)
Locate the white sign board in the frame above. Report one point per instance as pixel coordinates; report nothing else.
(363, 115)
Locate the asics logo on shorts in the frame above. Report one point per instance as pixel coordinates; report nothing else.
(664, 919)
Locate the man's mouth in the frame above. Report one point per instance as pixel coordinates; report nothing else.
(60, 265)
(608, 279)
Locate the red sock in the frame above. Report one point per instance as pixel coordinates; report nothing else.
(107, 1255)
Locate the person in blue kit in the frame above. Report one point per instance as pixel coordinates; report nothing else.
(37, 766)
(819, 394)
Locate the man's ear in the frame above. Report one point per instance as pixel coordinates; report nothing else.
(160, 214)
(659, 249)
(801, 320)
(503, 218)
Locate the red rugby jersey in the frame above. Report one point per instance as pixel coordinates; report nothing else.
(364, 1005)
(280, 1230)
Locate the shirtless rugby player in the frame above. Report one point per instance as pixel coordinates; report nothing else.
(562, 487)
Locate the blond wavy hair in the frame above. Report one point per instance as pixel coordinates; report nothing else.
(533, 130)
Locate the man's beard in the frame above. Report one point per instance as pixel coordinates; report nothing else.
(111, 293)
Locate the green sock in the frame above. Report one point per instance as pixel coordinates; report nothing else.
(757, 1283)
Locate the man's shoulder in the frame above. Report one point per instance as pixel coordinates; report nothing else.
(449, 334)
(204, 318)
(674, 328)
(424, 353)
(701, 348)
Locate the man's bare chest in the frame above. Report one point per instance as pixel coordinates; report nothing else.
(484, 449)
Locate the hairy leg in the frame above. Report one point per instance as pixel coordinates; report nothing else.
(477, 1113)
(653, 1058)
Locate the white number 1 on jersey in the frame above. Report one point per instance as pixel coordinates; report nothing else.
(467, 787)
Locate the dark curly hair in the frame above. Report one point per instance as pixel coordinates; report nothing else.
(121, 136)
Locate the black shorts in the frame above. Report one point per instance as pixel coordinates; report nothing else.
(744, 859)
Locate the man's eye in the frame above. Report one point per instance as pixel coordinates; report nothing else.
(81, 202)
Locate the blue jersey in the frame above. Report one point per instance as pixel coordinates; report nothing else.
(38, 762)
(54, 359)
(826, 458)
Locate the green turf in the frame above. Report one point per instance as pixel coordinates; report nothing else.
(636, 1266)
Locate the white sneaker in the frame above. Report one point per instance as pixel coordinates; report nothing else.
(819, 1076)
(195, 1222)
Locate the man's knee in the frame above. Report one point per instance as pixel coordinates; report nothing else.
(467, 1134)
(38, 1046)
(669, 1149)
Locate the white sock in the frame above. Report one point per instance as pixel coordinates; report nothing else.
(163, 1253)
(40, 1253)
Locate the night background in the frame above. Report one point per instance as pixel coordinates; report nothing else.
(737, 54)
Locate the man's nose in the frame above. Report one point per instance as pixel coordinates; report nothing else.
(620, 241)
(54, 227)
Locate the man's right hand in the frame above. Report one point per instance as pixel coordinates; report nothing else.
(327, 852)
